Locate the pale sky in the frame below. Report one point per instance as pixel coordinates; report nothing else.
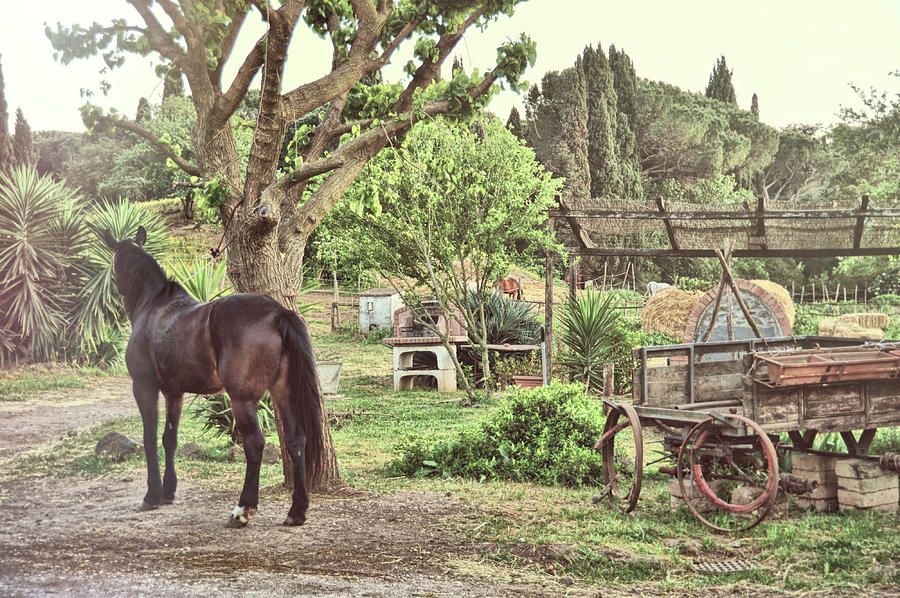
(799, 56)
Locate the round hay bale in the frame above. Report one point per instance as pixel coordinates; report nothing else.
(868, 320)
(826, 326)
(667, 311)
(781, 295)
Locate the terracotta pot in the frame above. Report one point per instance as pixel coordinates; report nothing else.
(528, 381)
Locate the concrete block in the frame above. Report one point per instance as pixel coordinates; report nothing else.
(868, 485)
(694, 495)
(814, 467)
(858, 468)
(883, 499)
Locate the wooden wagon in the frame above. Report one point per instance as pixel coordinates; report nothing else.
(721, 408)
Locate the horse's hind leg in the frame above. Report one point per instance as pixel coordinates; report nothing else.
(296, 446)
(146, 394)
(244, 411)
(170, 443)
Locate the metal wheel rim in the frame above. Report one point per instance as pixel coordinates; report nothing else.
(624, 502)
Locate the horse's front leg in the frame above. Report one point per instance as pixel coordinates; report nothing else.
(170, 443)
(244, 411)
(146, 394)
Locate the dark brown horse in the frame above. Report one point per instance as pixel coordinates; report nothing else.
(241, 344)
(510, 286)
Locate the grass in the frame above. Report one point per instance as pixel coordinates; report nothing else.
(20, 384)
(527, 531)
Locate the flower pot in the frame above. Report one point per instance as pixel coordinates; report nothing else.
(329, 375)
(528, 381)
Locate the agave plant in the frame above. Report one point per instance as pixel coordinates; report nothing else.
(41, 237)
(98, 304)
(588, 328)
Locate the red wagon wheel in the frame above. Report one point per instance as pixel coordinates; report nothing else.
(734, 461)
(623, 479)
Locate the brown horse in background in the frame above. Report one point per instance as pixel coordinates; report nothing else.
(241, 344)
(510, 286)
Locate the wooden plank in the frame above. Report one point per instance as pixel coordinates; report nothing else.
(761, 253)
(777, 406)
(884, 410)
(667, 394)
(833, 400)
(716, 388)
(719, 368)
(835, 424)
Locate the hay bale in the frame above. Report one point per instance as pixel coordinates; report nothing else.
(826, 326)
(781, 295)
(850, 329)
(668, 310)
(868, 320)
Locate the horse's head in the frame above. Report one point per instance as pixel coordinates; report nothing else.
(135, 270)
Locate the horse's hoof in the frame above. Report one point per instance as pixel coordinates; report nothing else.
(145, 506)
(235, 523)
(167, 500)
(293, 521)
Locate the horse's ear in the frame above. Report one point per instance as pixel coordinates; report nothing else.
(110, 240)
(141, 237)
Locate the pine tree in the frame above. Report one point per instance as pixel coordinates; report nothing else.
(602, 108)
(514, 124)
(720, 86)
(24, 153)
(6, 149)
(754, 106)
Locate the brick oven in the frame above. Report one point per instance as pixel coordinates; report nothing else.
(419, 352)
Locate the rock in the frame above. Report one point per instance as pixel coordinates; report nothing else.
(191, 450)
(116, 447)
(566, 581)
(744, 495)
(271, 454)
(236, 453)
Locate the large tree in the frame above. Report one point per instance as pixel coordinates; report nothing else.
(267, 215)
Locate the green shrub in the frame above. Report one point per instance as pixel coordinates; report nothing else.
(545, 435)
(215, 416)
(886, 300)
(805, 323)
(507, 320)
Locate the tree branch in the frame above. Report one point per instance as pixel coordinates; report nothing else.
(126, 125)
(159, 38)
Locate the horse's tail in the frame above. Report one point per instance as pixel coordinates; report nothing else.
(305, 392)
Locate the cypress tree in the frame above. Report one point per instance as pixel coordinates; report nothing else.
(143, 110)
(754, 106)
(172, 83)
(24, 153)
(602, 108)
(625, 84)
(720, 86)
(6, 149)
(514, 124)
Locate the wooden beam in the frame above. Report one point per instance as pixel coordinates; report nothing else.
(716, 215)
(761, 223)
(799, 253)
(729, 248)
(737, 292)
(860, 222)
(673, 242)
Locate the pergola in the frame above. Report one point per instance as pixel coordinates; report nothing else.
(796, 229)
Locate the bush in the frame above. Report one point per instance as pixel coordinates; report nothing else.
(215, 416)
(545, 435)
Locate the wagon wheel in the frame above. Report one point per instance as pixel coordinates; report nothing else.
(748, 460)
(623, 480)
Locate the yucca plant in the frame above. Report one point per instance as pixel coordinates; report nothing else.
(203, 279)
(588, 326)
(215, 416)
(98, 303)
(41, 238)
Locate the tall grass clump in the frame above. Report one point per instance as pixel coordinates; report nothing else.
(545, 436)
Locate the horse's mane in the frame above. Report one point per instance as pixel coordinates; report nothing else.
(139, 276)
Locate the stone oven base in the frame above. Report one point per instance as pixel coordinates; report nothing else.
(440, 366)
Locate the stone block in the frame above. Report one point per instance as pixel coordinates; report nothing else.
(696, 497)
(868, 485)
(819, 505)
(862, 484)
(883, 499)
(858, 468)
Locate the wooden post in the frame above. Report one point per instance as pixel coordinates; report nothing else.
(603, 284)
(729, 247)
(856, 293)
(335, 305)
(737, 293)
(837, 293)
(548, 303)
(802, 288)
(793, 292)
(814, 293)
(825, 292)
(609, 379)
(573, 278)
